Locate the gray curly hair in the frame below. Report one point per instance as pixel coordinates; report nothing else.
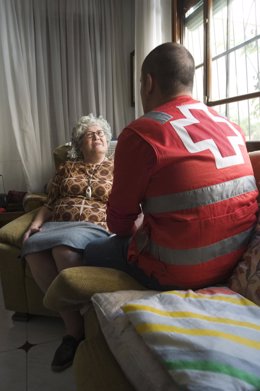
(81, 128)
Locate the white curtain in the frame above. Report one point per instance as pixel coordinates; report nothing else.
(152, 27)
(59, 59)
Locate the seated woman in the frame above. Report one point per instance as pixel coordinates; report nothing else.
(74, 215)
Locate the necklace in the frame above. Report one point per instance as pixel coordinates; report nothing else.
(90, 177)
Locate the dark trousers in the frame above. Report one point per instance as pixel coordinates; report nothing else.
(112, 252)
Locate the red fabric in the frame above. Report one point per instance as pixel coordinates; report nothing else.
(198, 276)
(152, 159)
(134, 162)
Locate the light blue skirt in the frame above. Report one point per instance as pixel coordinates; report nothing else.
(71, 233)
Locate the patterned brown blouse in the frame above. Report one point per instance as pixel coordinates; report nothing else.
(68, 192)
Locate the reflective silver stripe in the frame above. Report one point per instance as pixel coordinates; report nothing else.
(158, 116)
(196, 256)
(197, 197)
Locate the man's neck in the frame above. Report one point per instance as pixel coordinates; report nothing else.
(159, 100)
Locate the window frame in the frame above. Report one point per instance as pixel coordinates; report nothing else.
(179, 8)
(207, 21)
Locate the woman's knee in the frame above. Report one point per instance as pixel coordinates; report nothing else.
(65, 256)
(60, 250)
(36, 257)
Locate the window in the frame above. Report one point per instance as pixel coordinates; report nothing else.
(224, 38)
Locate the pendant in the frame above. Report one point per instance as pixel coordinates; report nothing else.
(88, 193)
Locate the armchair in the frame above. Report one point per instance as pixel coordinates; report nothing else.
(21, 294)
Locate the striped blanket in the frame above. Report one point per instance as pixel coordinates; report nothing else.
(207, 340)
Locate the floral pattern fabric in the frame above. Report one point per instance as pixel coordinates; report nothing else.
(67, 192)
(246, 277)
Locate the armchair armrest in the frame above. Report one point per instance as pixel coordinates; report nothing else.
(33, 200)
(73, 287)
(12, 233)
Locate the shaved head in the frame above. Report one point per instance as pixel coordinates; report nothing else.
(172, 65)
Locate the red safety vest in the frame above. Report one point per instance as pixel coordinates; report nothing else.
(200, 206)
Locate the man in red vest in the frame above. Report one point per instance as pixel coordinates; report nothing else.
(183, 202)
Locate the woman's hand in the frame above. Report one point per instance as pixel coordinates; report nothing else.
(30, 231)
(43, 215)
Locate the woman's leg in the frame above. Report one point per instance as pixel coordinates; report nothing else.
(45, 266)
(64, 258)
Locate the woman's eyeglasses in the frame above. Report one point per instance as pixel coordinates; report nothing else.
(99, 133)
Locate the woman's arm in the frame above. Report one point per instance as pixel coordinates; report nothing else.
(45, 212)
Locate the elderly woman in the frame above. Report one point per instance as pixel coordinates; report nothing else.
(74, 215)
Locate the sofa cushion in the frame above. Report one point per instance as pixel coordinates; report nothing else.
(60, 154)
(33, 201)
(246, 276)
(255, 161)
(73, 287)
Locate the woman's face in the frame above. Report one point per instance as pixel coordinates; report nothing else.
(94, 142)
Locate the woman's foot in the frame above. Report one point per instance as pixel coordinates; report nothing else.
(65, 353)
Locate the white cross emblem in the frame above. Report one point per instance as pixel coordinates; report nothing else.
(180, 125)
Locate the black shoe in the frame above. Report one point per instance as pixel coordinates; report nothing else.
(65, 353)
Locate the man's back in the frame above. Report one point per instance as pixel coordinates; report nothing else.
(199, 203)
(186, 171)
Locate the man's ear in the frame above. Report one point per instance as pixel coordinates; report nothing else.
(149, 83)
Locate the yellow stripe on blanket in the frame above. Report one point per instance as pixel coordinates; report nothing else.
(187, 314)
(159, 328)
